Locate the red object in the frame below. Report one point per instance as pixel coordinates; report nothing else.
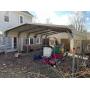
(45, 61)
(57, 56)
(48, 61)
(51, 62)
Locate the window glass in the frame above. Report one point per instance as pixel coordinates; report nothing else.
(31, 41)
(27, 41)
(21, 19)
(6, 18)
(38, 40)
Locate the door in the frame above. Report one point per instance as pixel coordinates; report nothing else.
(15, 42)
(66, 43)
(45, 42)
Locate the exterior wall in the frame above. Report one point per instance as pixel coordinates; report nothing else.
(76, 41)
(60, 36)
(88, 36)
(22, 38)
(14, 19)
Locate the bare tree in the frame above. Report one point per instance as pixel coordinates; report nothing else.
(78, 21)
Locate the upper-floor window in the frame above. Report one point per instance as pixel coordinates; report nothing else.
(21, 19)
(6, 18)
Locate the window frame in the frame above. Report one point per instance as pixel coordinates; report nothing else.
(21, 19)
(6, 18)
(30, 40)
(39, 41)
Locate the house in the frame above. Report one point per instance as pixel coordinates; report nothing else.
(80, 40)
(33, 34)
(19, 29)
(10, 19)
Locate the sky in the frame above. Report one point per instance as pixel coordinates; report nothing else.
(59, 17)
(54, 17)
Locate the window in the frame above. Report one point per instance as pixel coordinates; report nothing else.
(31, 40)
(38, 40)
(27, 41)
(6, 18)
(21, 19)
(15, 42)
(52, 42)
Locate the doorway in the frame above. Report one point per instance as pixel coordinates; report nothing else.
(15, 42)
(66, 43)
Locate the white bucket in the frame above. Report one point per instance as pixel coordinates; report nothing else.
(47, 51)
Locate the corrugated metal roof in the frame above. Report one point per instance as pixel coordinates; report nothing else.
(40, 27)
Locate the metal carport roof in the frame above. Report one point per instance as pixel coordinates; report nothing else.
(40, 29)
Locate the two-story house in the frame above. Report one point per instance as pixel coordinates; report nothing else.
(11, 19)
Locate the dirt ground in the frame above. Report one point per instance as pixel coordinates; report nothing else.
(26, 67)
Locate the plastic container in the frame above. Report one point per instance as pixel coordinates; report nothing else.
(56, 50)
(47, 51)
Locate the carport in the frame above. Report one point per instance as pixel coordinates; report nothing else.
(26, 30)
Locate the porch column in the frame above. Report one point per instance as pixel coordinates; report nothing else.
(12, 42)
(19, 42)
(29, 40)
(35, 37)
(71, 45)
(28, 37)
(41, 40)
(22, 44)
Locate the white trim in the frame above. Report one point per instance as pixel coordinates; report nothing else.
(22, 44)
(29, 40)
(12, 42)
